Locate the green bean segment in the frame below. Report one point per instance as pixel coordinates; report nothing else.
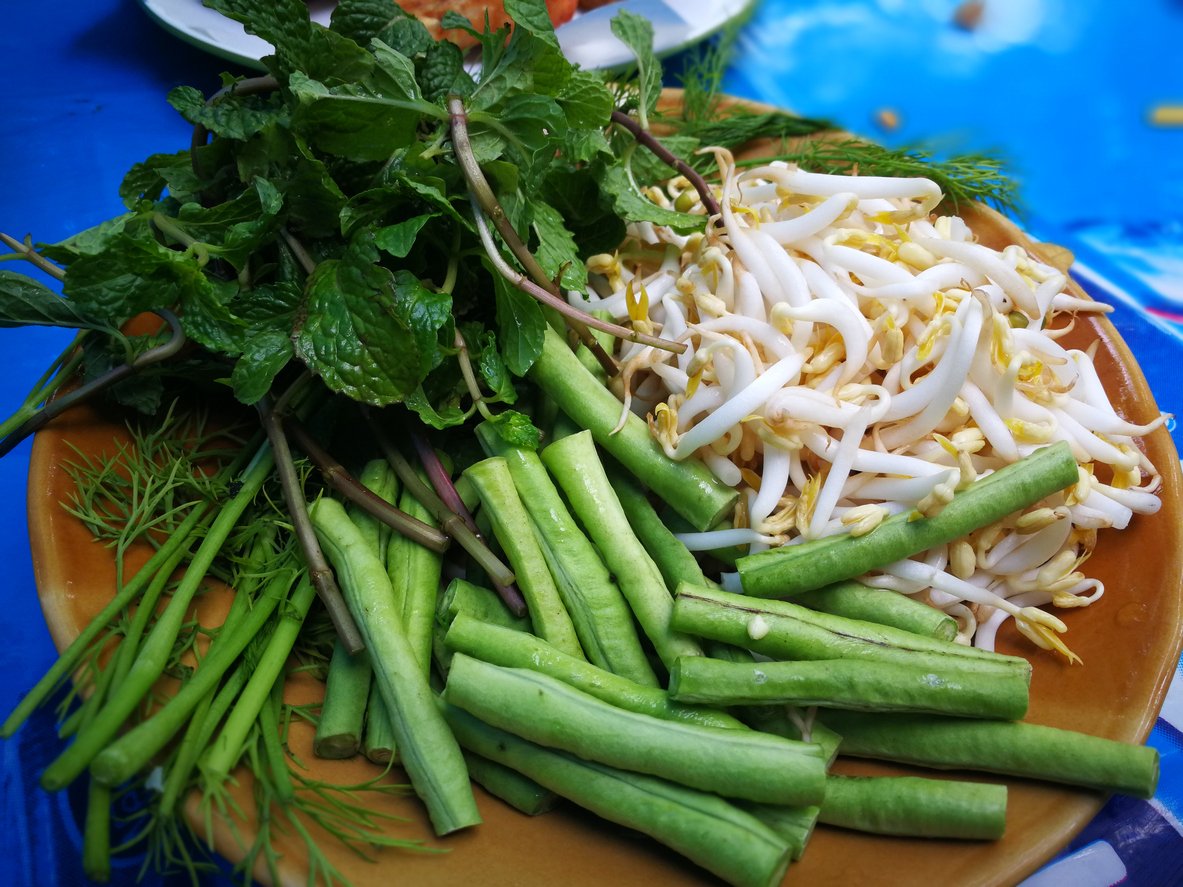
(515, 532)
(794, 824)
(520, 792)
(428, 750)
(511, 649)
(853, 600)
(736, 763)
(850, 684)
(791, 569)
(705, 828)
(916, 807)
(414, 573)
(783, 630)
(601, 615)
(576, 468)
(341, 725)
(688, 487)
(1013, 749)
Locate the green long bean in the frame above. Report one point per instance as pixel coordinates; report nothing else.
(783, 630)
(515, 533)
(427, 749)
(854, 600)
(341, 724)
(599, 612)
(703, 827)
(414, 573)
(916, 807)
(791, 569)
(576, 468)
(688, 487)
(850, 684)
(512, 649)
(735, 763)
(1014, 749)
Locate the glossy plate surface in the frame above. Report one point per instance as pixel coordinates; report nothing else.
(1129, 642)
(586, 39)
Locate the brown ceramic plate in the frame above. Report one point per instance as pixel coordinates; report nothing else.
(1129, 641)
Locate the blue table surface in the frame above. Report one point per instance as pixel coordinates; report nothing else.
(1063, 90)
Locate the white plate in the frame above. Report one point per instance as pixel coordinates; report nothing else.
(586, 39)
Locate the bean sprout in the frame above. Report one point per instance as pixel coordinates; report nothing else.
(851, 356)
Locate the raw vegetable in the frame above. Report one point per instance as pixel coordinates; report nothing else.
(854, 600)
(576, 468)
(515, 532)
(342, 722)
(601, 615)
(373, 222)
(426, 746)
(703, 827)
(736, 763)
(689, 489)
(500, 646)
(520, 792)
(921, 808)
(851, 684)
(784, 630)
(1015, 749)
(782, 572)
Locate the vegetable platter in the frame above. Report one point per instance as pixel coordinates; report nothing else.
(244, 760)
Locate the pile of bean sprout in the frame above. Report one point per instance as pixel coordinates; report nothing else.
(852, 355)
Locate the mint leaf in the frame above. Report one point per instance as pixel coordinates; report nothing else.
(532, 16)
(208, 318)
(398, 239)
(90, 241)
(647, 169)
(235, 229)
(593, 222)
(530, 122)
(632, 206)
(557, 252)
(231, 117)
(520, 326)
(441, 72)
(263, 357)
(586, 101)
(131, 274)
(353, 121)
(636, 33)
(367, 20)
(489, 365)
(368, 333)
(516, 429)
(439, 410)
(24, 301)
(394, 73)
(282, 23)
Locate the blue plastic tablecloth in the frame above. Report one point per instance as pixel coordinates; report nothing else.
(1064, 89)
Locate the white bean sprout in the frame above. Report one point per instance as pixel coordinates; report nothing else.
(850, 356)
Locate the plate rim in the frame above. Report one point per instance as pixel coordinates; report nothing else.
(165, 14)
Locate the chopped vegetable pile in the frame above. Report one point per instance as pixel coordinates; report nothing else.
(474, 390)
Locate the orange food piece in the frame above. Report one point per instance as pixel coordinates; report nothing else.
(431, 11)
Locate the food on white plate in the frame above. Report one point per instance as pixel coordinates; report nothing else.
(431, 13)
